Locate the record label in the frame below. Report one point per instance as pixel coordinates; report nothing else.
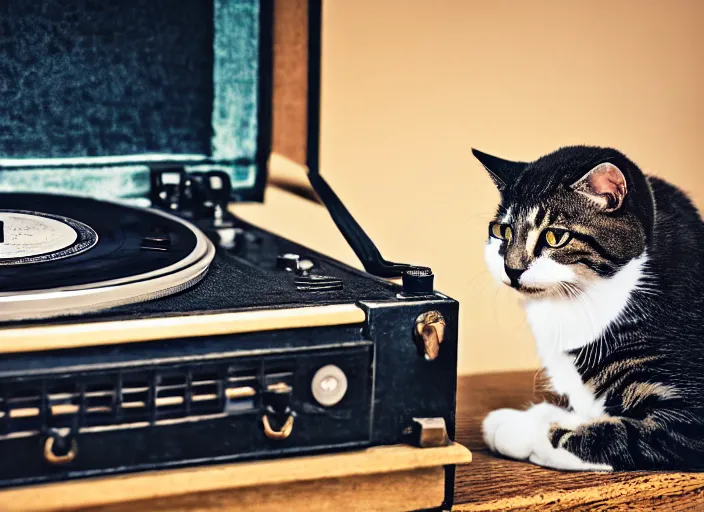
(31, 237)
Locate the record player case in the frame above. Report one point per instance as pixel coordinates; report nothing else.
(105, 101)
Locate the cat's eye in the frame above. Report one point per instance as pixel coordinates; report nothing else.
(508, 233)
(556, 237)
(501, 231)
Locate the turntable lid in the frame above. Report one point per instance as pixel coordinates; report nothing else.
(94, 94)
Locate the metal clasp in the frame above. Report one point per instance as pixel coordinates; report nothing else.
(430, 333)
(52, 458)
(277, 402)
(278, 434)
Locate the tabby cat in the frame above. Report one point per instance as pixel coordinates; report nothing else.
(609, 264)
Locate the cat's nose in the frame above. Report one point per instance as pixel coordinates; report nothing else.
(514, 274)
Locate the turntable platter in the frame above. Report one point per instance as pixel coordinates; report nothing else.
(66, 255)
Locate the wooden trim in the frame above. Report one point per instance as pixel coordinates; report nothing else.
(67, 336)
(290, 81)
(159, 485)
(418, 489)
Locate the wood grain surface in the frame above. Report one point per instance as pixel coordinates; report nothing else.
(492, 483)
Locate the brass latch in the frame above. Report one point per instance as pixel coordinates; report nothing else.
(67, 449)
(276, 400)
(430, 333)
(283, 433)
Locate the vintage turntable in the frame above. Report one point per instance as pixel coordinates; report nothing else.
(142, 325)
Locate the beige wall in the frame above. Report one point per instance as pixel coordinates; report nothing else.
(409, 86)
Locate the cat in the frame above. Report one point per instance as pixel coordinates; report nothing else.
(609, 266)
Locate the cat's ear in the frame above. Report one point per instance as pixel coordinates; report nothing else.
(503, 172)
(605, 184)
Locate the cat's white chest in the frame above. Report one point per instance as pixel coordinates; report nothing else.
(558, 327)
(566, 380)
(561, 325)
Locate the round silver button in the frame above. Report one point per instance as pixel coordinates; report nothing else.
(329, 385)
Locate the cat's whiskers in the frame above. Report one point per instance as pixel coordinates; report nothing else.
(591, 350)
(636, 310)
(584, 300)
(603, 347)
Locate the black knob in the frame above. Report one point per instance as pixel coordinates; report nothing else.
(218, 187)
(287, 262)
(418, 280)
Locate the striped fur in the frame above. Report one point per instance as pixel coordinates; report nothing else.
(615, 299)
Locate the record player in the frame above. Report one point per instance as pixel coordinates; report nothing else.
(142, 325)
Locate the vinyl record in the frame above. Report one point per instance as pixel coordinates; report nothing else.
(66, 255)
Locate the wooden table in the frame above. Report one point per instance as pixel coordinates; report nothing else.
(492, 483)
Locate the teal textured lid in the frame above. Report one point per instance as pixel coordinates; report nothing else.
(93, 94)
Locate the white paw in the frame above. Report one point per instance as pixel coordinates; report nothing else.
(524, 435)
(559, 458)
(545, 414)
(513, 433)
(506, 431)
